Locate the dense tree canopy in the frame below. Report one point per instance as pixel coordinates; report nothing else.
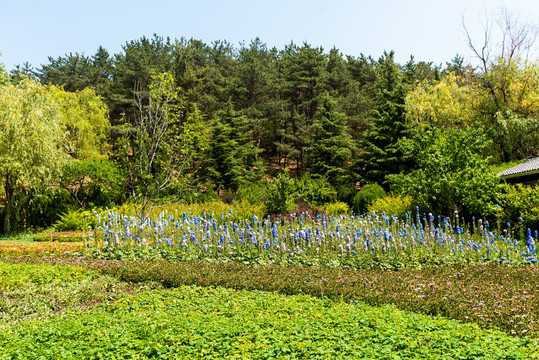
(505, 102)
(381, 156)
(344, 120)
(449, 173)
(331, 146)
(32, 140)
(232, 155)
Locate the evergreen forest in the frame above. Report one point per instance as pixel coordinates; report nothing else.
(295, 129)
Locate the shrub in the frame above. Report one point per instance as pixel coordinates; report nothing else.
(336, 208)
(366, 196)
(450, 173)
(281, 199)
(346, 192)
(227, 197)
(316, 191)
(521, 201)
(254, 193)
(75, 220)
(93, 182)
(392, 205)
(39, 210)
(200, 195)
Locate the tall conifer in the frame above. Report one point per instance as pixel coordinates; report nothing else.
(232, 153)
(331, 145)
(380, 155)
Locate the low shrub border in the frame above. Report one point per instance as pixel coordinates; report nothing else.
(492, 296)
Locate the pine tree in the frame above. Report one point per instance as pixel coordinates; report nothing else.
(301, 71)
(331, 145)
(380, 155)
(255, 93)
(232, 153)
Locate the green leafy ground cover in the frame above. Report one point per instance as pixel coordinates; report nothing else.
(30, 292)
(489, 295)
(492, 296)
(193, 322)
(13, 276)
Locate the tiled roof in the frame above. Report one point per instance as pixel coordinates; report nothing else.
(530, 166)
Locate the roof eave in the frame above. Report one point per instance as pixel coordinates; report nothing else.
(520, 174)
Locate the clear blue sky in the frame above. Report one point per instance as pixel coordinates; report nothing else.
(431, 30)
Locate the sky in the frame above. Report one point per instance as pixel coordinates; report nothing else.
(430, 30)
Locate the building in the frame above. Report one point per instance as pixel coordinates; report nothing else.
(526, 173)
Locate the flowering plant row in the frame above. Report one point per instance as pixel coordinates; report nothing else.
(357, 241)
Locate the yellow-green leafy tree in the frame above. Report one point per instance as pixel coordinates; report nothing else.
(32, 140)
(504, 102)
(501, 96)
(4, 77)
(86, 120)
(445, 104)
(42, 129)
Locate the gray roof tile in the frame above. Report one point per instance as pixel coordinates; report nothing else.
(532, 165)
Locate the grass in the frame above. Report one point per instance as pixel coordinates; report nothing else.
(17, 239)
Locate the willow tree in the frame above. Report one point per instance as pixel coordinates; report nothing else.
(32, 140)
(86, 120)
(507, 109)
(509, 84)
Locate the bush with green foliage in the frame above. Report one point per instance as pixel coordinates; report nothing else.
(450, 173)
(284, 193)
(199, 195)
(315, 191)
(38, 210)
(75, 220)
(366, 196)
(392, 204)
(520, 205)
(336, 208)
(93, 182)
(281, 198)
(346, 192)
(254, 192)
